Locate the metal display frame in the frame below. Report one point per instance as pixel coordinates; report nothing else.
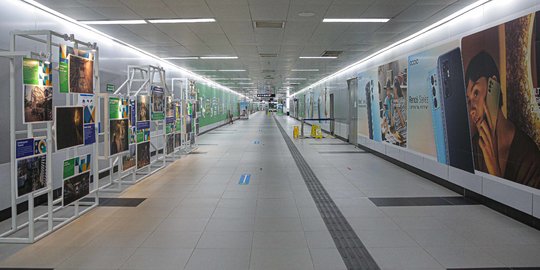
(185, 145)
(56, 215)
(138, 82)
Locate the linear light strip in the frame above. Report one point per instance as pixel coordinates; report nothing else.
(106, 22)
(199, 20)
(423, 31)
(57, 14)
(354, 20)
(218, 57)
(318, 57)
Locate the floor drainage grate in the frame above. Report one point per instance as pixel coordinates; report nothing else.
(352, 250)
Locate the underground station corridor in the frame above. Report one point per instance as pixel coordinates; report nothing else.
(252, 197)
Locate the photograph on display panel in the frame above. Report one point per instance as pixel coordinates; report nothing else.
(119, 136)
(501, 73)
(69, 127)
(75, 188)
(37, 104)
(392, 80)
(158, 103)
(31, 174)
(170, 144)
(81, 74)
(118, 108)
(63, 65)
(129, 160)
(143, 154)
(143, 108)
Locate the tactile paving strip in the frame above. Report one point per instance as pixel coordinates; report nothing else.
(350, 247)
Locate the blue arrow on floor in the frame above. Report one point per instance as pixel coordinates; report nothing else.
(244, 179)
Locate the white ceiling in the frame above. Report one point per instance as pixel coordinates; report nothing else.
(233, 33)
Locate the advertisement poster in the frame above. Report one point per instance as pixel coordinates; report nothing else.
(64, 70)
(501, 72)
(37, 72)
(76, 165)
(143, 154)
(368, 82)
(75, 188)
(69, 127)
(392, 79)
(143, 108)
(143, 131)
(31, 174)
(119, 136)
(118, 108)
(425, 122)
(158, 103)
(30, 147)
(129, 159)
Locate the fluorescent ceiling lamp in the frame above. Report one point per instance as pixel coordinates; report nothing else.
(395, 44)
(104, 22)
(218, 57)
(231, 70)
(246, 83)
(204, 70)
(356, 20)
(317, 57)
(220, 79)
(182, 58)
(241, 79)
(307, 69)
(296, 79)
(200, 20)
(103, 37)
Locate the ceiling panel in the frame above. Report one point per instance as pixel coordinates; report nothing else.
(234, 34)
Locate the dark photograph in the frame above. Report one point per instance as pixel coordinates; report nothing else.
(31, 174)
(69, 127)
(170, 144)
(81, 75)
(143, 154)
(76, 188)
(128, 160)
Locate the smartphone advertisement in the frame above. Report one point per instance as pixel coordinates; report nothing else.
(425, 118)
(501, 76)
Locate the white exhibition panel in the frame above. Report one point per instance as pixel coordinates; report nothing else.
(515, 197)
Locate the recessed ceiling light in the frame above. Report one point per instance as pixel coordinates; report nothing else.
(306, 14)
(307, 69)
(357, 20)
(231, 70)
(199, 20)
(104, 22)
(182, 58)
(317, 57)
(218, 57)
(241, 79)
(296, 79)
(246, 83)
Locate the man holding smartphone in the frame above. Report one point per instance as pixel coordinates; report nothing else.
(499, 147)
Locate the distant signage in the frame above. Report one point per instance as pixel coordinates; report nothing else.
(266, 95)
(110, 88)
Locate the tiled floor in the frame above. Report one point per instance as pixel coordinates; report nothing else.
(197, 216)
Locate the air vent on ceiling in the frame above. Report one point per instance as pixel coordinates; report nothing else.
(268, 54)
(268, 70)
(269, 24)
(332, 53)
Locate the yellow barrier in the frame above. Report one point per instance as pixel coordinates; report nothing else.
(296, 130)
(316, 132)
